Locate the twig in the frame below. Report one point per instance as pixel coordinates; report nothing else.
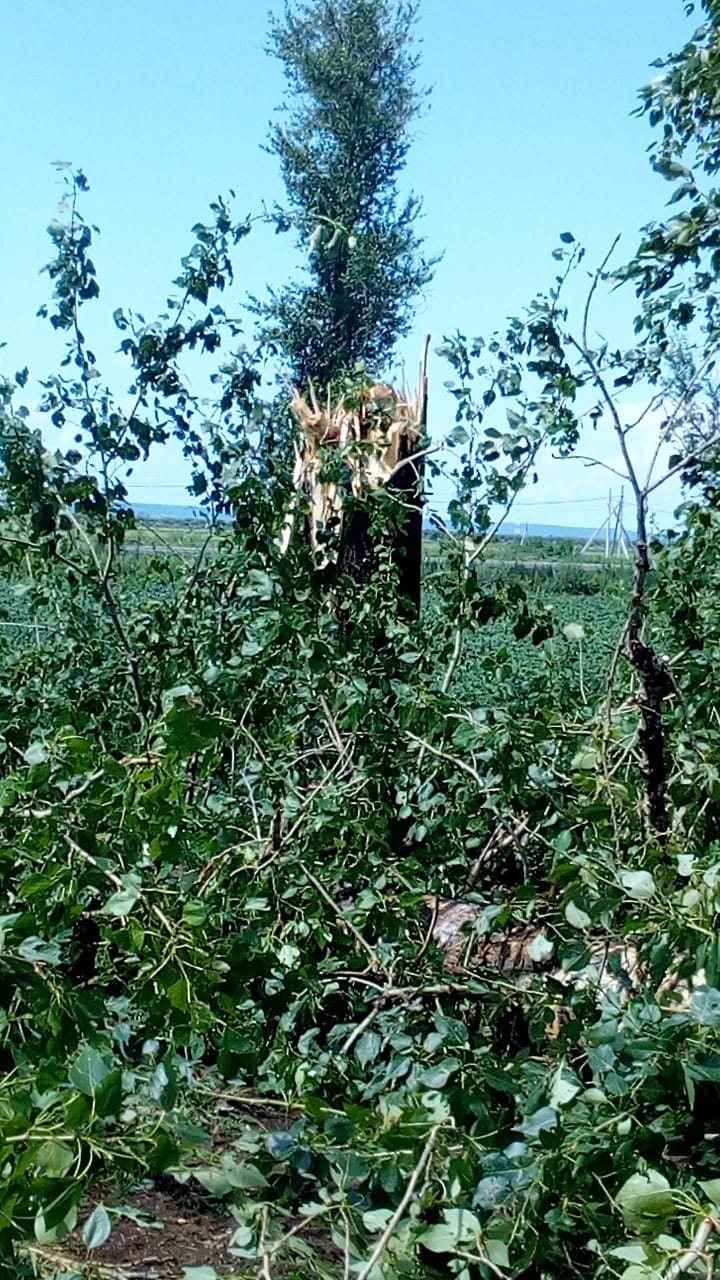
(265, 1260)
(434, 989)
(596, 280)
(369, 951)
(347, 1259)
(336, 768)
(413, 457)
(665, 435)
(430, 930)
(690, 1256)
(175, 551)
(417, 1172)
(253, 806)
(81, 571)
(196, 571)
(445, 755)
(70, 1264)
(113, 608)
(357, 1031)
(482, 1259)
(469, 560)
(332, 726)
(596, 462)
(620, 430)
(83, 786)
(501, 837)
(250, 1100)
(117, 882)
(27, 626)
(93, 862)
(684, 462)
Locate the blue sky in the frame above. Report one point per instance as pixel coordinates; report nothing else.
(165, 104)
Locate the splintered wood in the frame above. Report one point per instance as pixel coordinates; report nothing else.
(520, 952)
(372, 433)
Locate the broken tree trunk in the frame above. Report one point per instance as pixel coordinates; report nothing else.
(655, 684)
(368, 439)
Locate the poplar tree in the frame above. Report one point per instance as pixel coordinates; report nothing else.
(351, 99)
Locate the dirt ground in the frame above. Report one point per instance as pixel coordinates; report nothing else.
(170, 1225)
(177, 1230)
(179, 1227)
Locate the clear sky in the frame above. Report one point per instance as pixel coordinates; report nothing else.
(165, 104)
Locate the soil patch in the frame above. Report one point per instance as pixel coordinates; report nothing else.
(171, 1228)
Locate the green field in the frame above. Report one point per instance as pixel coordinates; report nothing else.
(560, 587)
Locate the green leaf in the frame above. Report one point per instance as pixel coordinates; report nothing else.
(88, 1071)
(712, 1190)
(705, 1009)
(97, 1228)
(496, 1252)
(544, 1118)
(54, 1158)
(194, 914)
(258, 585)
(179, 692)
(671, 1243)
(289, 956)
(564, 1089)
(585, 761)
(645, 1201)
(248, 1177)
(216, 1181)
(121, 903)
(376, 1219)
(575, 917)
(459, 1225)
(630, 1252)
(368, 1047)
(541, 948)
(38, 951)
(437, 1077)
(47, 1232)
(229, 1175)
(36, 753)
(639, 885)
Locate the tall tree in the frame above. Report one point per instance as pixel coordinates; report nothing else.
(677, 265)
(350, 68)
(682, 104)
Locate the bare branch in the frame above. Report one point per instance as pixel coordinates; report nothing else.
(417, 1173)
(685, 462)
(689, 1257)
(445, 755)
(596, 280)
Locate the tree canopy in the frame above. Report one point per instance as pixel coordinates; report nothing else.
(350, 68)
(683, 105)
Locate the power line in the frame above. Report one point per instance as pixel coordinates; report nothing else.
(558, 502)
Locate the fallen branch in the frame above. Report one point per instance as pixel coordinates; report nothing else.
(415, 1176)
(357, 1031)
(690, 1256)
(445, 755)
(501, 837)
(328, 898)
